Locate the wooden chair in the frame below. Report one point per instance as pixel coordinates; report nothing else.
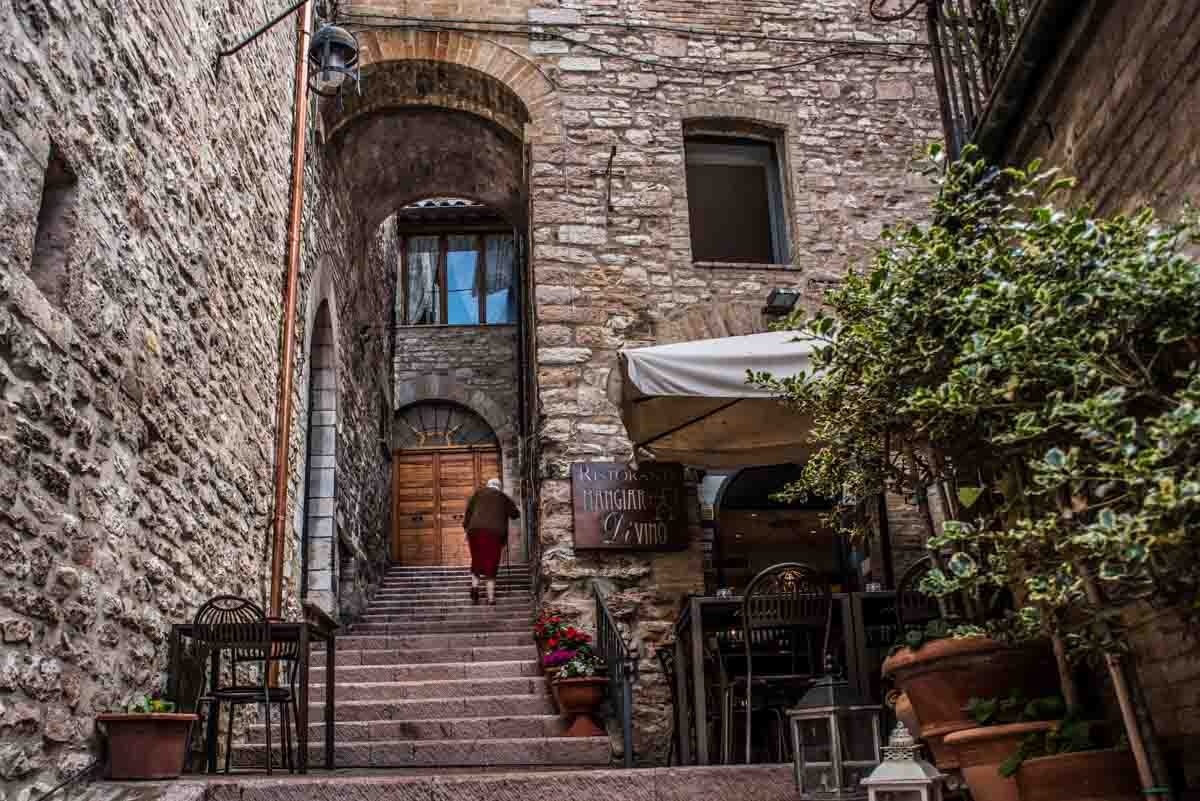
(786, 602)
(239, 626)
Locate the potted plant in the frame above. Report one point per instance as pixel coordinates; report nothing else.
(579, 688)
(1028, 376)
(148, 740)
(562, 645)
(546, 625)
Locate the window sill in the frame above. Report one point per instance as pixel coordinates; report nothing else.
(455, 326)
(743, 265)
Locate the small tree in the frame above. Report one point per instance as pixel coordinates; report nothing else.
(1039, 369)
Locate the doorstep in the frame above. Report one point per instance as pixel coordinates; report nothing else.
(718, 783)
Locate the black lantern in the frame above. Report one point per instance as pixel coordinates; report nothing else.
(332, 60)
(836, 738)
(781, 302)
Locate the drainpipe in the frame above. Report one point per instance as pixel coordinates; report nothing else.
(283, 422)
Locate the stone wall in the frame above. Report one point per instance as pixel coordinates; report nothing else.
(1117, 109)
(142, 237)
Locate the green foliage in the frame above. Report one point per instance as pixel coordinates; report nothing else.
(1015, 709)
(145, 705)
(1039, 367)
(1070, 735)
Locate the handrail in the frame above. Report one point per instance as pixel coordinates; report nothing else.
(622, 666)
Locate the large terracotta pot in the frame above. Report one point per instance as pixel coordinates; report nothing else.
(942, 676)
(579, 699)
(981, 751)
(146, 746)
(1107, 775)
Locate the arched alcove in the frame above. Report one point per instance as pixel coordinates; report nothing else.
(319, 561)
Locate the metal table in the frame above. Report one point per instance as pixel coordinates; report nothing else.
(318, 626)
(703, 615)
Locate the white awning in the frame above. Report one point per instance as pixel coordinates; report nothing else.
(689, 402)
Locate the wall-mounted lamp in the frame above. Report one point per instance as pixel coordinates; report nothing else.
(781, 302)
(332, 55)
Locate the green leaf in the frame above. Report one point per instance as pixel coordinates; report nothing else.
(967, 496)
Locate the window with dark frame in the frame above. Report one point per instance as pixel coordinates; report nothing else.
(459, 279)
(735, 200)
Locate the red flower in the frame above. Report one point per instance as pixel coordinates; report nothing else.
(553, 643)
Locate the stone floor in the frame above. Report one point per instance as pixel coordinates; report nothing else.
(426, 679)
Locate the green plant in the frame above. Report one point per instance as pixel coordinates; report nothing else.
(1015, 709)
(1037, 370)
(1069, 735)
(583, 665)
(147, 705)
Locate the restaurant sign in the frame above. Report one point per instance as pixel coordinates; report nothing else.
(618, 507)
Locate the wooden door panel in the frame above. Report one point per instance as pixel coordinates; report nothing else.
(430, 494)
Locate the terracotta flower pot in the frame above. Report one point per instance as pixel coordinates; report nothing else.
(981, 751)
(146, 746)
(1106, 775)
(906, 714)
(579, 699)
(942, 676)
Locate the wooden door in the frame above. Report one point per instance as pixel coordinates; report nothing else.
(431, 490)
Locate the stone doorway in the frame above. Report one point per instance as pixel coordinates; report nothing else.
(431, 490)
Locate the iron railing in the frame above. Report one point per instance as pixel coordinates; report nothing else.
(971, 41)
(622, 666)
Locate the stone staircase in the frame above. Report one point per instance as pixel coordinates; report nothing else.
(427, 680)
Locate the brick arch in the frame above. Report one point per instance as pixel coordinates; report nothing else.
(446, 388)
(746, 110)
(522, 76)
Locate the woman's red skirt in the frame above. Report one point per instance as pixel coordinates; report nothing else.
(486, 545)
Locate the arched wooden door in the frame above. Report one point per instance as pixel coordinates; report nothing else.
(453, 453)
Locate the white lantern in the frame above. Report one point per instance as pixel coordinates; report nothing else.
(903, 776)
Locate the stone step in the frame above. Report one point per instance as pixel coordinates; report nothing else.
(448, 688)
(481, 706)
(576, 751)
(434, 671)
(394, 656)
(435, 614)
(442, 627)
(513, 571)
(507, 727)
(406, 604)
(421, 642)
(526, 783)
(451, 578)
(456, 598)
(449, 590)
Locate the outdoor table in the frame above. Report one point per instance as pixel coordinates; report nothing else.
(702, 615)
(316, 626)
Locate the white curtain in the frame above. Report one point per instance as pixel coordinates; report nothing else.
(500, 287)
(421, 293)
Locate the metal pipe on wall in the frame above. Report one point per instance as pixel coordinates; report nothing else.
(283, 422)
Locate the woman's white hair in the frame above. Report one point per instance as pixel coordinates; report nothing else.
(494, 483)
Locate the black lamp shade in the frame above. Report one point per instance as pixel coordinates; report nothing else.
(332, 59)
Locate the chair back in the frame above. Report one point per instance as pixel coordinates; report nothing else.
(782, 599)
(913, 607)
(237, 626)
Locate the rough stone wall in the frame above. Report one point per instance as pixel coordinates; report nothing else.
(142, 237)
(136, 359)
(615, 278)
(1118, 109)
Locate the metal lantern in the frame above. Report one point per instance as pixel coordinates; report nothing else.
(904, 776)
(836, 741)
(333, 60)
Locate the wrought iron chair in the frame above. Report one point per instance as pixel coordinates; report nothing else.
(240, 627)
(786, 602)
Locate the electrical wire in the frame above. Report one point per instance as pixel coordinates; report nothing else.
(881, 16)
